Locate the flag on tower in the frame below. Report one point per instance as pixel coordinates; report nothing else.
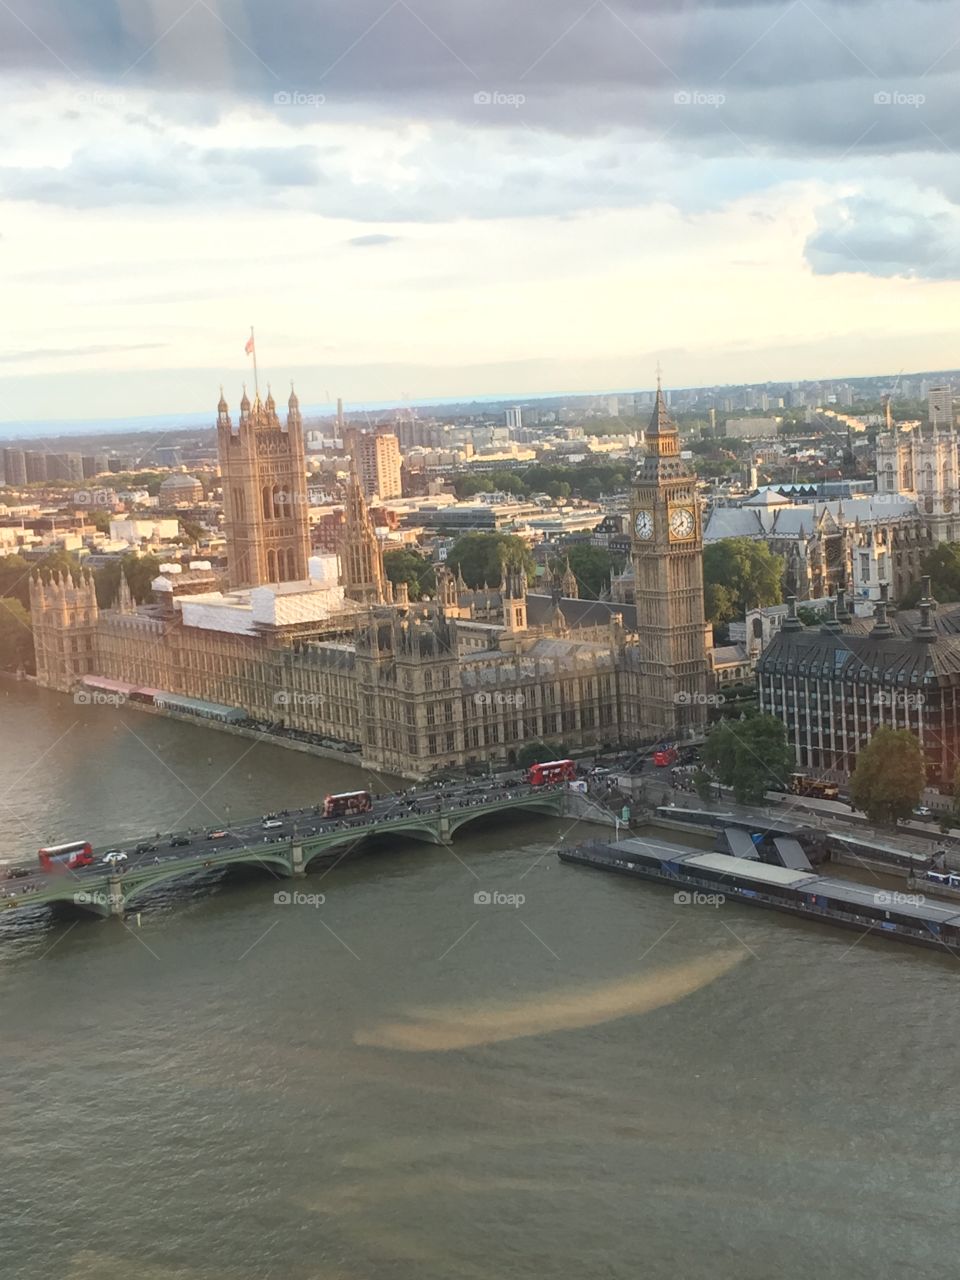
(249, 347)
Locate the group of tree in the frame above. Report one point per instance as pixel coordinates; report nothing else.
(591, 566)
(890, 776)
(750, 755)
(480, 557)
(139, 572)
(943, 566)
(412, 568)
(590, 482)
(740, 574)
(16, 636)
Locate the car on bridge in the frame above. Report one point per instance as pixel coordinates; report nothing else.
(270, 823)
(145, 846)
(179, 841)
(114, 857)
(216, 835)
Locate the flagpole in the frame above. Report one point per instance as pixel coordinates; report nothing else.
(256, 380)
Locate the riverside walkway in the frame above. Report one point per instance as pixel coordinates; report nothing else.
(285, 847)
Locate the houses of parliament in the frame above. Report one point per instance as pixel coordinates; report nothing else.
(327, 646)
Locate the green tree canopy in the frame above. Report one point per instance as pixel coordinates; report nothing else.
(890, 776)
(16, 636)
(140, 572)
(749, 573)
(404, 565)
(943, 566)
(591, 567)
(750, 755)
(479, 557)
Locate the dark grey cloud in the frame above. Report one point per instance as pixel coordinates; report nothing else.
(365, 242)
(793, 75)
(863, 234)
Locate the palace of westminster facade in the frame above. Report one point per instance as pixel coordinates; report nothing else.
(328, 646)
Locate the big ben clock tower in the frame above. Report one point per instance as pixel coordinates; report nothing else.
(667, 536)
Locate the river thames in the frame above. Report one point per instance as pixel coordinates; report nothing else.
(587, 1080)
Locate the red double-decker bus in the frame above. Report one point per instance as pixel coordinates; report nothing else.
(664, 756)
(67, 857)
(551, 771)
(347, 803)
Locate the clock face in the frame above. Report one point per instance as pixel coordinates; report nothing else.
(644, 525)
(682, 523)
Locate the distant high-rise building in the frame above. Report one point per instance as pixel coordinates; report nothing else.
(377, 458)
(63, 468)
(94, 464)
(515, 418)
(940, 407)
(14, 467)
(38, 470)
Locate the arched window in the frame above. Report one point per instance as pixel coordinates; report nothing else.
(239, 506)
(272, 565)
(281, 502)
(291, 565)
(267, 503)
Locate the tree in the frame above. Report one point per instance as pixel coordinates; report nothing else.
(412, 568)
(192, 529)
(810, 617)
(750, 574)
(943, 566)
(16, 636)
(890, 776)
(750, 755)
(479, 557)
(139, 571)
(703, 785)
(718, 602)
(591, 567)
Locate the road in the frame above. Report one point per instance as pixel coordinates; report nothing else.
(171, 846)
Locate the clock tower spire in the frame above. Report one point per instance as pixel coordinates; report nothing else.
(667, 552)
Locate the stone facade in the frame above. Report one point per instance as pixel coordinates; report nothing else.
(473, 675)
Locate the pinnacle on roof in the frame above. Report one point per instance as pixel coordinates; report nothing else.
(660, 422)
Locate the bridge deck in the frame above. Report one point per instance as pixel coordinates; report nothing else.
(303, 837)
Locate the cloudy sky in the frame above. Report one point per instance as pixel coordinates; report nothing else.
(459, 197)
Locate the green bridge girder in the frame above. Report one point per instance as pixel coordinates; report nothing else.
(109, 894)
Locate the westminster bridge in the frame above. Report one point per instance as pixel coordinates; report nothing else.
(283, 844)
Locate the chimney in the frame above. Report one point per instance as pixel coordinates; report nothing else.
(882, 627)
(830, 625)
(791, 622)
(926, 631)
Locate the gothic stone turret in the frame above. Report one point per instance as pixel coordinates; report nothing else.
(266, 520)
(64, 615)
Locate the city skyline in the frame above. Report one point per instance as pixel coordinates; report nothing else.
(413, 207)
